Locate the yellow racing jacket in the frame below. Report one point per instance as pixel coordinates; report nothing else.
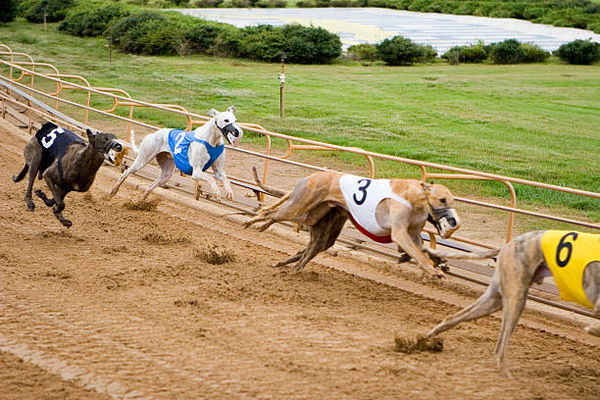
(567, 254)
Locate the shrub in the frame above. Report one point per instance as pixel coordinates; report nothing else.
(507, 52)
(146, 33)
(475, 53)
(55, 10)
(579, 52)
(533, 53)
(402, 51)
(300, 44)
(310, 44)
(92, 22)
(262, 42)
(202, 37)
(8, 10)
(363, 52)
(271, 4)
(205, 3)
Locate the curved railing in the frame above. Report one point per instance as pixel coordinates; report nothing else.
(121, 98)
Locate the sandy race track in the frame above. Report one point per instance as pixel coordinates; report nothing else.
(126, 304)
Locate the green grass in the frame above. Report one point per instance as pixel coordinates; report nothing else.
(538, 122)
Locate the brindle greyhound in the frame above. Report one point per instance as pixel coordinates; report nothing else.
(65, 162)
(396, 211)
(570, 257)
(196, 149)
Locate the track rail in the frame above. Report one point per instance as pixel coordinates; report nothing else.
(346, 237)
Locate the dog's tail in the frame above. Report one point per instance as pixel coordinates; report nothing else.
(476, 255)
(132, 142)
(22, 174)
(269, 190)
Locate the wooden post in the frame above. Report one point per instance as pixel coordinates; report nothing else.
(45, 24)
(110, 49)
(282, 88)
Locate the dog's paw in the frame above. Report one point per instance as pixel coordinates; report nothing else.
(229, 195)
(593, 330)
(66, 223)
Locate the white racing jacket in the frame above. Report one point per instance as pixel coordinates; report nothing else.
(362, 195)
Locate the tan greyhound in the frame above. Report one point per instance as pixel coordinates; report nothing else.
(572, 258)
(385, 210)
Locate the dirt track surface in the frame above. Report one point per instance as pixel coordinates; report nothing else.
(124, 305)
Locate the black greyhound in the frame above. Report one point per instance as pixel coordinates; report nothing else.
(65, 162)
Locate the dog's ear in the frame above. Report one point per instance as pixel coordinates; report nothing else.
(89, 133)
(231, 109)
(426, 186)
(212, 112)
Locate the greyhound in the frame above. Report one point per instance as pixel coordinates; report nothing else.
(204, 147)
(384, 210)
(65, 162)
(572, 258)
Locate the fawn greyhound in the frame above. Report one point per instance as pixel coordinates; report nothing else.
(572, 258)
(384, 210)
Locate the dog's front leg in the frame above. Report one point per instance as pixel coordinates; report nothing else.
(219, 169)
(203, 176)
(399, 221)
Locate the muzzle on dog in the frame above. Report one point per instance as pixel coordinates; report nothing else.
(112, 152)
(445, 220)
(230, 131)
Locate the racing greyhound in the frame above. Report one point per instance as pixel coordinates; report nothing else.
(192, 152)
(384, 210)
(572, 258)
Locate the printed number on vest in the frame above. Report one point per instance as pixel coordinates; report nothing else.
(178, 141)
(362, 191)
(567, 247)
(48, 140)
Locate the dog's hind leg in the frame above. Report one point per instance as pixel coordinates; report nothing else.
(265, 213)
(35, 159)
(58, 195)
(323, 235)
(141, 160)
(167, 165)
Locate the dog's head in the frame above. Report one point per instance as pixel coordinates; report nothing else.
(441, 212)
(226, 123)
(105, 143)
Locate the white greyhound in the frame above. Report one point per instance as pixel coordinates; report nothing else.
(193, 152)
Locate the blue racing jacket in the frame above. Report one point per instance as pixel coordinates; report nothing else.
(179, 143)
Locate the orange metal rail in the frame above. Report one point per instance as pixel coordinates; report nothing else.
(121, 98)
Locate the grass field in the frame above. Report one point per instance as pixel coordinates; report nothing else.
(538, 122)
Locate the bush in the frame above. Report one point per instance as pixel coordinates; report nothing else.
(92, 22)
(402, 51)
(55, 10)
(262, 42)
(8, 10)
(363, 52)
(146, 33)
(310, 44)
(579, 51)
(202, 37)
(533, 53)
(475, 53)
(270, 4)
(507, 52)
(300, 44)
